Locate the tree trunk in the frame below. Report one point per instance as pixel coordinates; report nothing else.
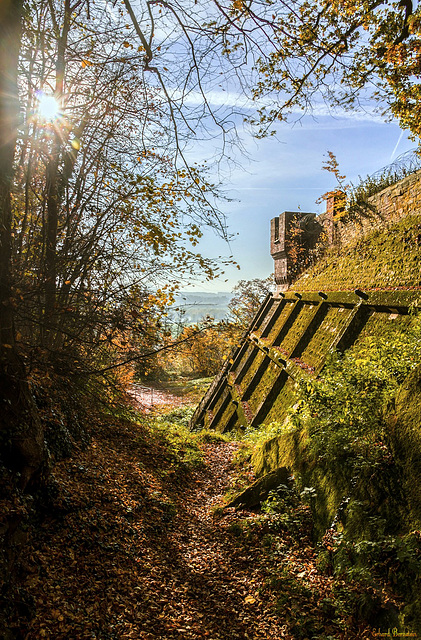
(21, 438)
(54, 190)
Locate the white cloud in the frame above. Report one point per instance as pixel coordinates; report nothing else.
(232, 99)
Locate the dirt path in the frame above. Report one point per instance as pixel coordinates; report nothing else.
(215, 580)
(128, 549)
(148, 398)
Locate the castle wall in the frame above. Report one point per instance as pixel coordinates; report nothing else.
(388, 206)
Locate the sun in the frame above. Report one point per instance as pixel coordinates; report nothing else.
(48, 107)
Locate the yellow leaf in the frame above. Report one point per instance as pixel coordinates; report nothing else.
(249, 600)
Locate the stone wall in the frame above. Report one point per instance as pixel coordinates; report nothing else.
(387, 207)
(293, 235)
(288, 340)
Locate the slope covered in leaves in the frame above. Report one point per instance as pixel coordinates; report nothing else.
(132, 544)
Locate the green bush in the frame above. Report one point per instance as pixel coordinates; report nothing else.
(351, 450)
(343, 411)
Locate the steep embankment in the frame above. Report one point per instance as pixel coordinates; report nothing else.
(353, 437)
(386, 258)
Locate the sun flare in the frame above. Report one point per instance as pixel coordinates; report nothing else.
(48, 107)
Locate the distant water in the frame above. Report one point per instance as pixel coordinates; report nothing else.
(192, 307)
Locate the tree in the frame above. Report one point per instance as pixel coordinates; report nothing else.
(83, 211)
(247, 298)
(343, 52)
(97, 211)
(290, 55)
(200, 349)
(115, 213)
(21, 436)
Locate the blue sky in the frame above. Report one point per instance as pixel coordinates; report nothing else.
(284, 174)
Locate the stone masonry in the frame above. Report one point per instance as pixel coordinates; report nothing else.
(295, 234)
(292, 235)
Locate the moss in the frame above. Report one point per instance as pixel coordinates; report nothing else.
(318, 346)
(282, 403)
(258, 359)
(282, 318)
(330, 488)
(264, 386)
(257, 492)
(300, 324)
(406, 441)
(281, 451)
(286, 450)
(219, 402)
(380, 324)
(225, 419)
(290, 450)
(386, 258)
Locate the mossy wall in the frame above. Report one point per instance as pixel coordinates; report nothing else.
(364, 287)
(295, 332)
(405, 436)
(292, 340)
(361, 289)
(387, 207)
(386, 258)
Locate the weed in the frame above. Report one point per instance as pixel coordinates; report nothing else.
(172, 431)
(207, 436)
(180, 416)
(257, 435)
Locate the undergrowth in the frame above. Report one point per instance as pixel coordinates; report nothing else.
(349, 486)
(344, 415)
(171, 427)
(344, 411)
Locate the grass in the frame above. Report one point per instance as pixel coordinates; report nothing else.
(191, 390)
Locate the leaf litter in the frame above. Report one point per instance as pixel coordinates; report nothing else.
(130, 548)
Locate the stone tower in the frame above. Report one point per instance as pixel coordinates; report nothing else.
(292, 235)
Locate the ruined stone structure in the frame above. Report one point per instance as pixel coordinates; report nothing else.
(361, 292)
(292, 236)
(288, 340)
(293, 333)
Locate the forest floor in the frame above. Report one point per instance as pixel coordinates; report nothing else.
(132, 544)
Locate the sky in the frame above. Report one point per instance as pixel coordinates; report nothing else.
(284, 173)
